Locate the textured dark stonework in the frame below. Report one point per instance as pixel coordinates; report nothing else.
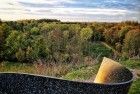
(14, 83)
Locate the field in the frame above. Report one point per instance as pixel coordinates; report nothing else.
(81, 72)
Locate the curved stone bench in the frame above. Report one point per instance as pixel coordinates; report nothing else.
(15, 83)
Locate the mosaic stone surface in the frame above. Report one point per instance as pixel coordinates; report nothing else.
(14, 83)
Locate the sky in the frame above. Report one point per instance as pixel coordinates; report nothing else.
(71, 10)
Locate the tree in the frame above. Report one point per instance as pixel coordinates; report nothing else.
(47, 27)
(118, 46)
(111, 35)
(97, 32)
(1, 41)
(122, 33)
(0, 21)
(12, 45)
(74, 28)
(20, 55)
(25, 46)
(132, 42)
(35, 31)
(1, 36)
(86, 33)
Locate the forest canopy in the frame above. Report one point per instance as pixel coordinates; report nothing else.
(56, 41)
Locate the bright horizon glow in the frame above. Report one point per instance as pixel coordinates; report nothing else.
(71, 10)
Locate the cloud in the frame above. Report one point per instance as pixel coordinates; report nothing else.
(82, 11)
(71, 10)
(45, 3)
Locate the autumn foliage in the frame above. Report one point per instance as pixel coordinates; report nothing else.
(56, 41)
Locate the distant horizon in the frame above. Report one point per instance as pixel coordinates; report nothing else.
(71, 10)
(72, 21)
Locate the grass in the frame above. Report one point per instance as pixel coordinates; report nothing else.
(97, 49)
(135, 88)
(111, 48)
(133, 64)
(16, 67)
(56, 70)
(80, 72)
